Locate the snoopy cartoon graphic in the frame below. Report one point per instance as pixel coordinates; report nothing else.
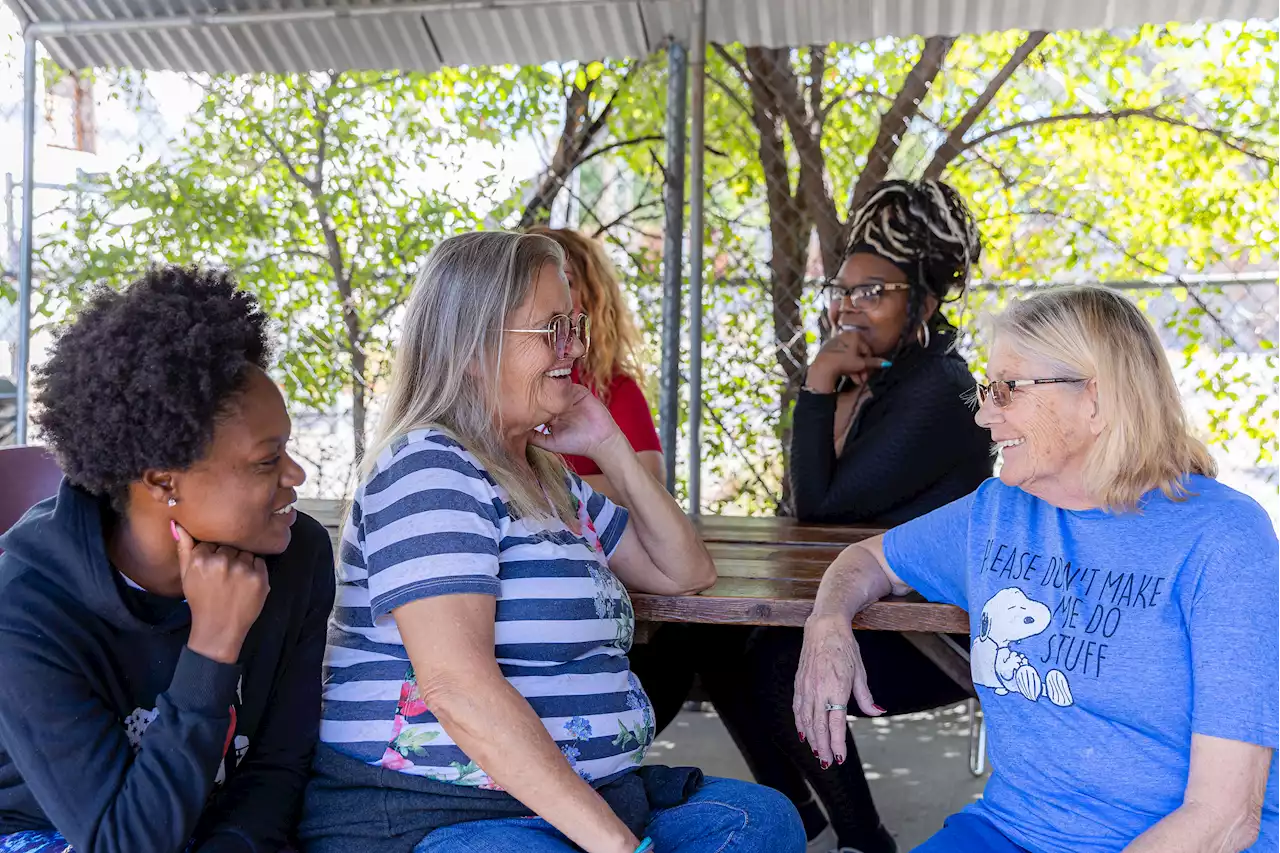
(1007, 617)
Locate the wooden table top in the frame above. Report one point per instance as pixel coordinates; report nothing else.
(769, 572)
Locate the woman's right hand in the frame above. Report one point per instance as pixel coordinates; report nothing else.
(225, 589)
(845, 354)
(830, 670)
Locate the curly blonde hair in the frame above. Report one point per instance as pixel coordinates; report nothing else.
(615, 340)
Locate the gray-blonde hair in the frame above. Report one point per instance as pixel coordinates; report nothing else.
(446, 365)
(1092, 332)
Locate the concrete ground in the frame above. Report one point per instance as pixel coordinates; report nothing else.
(917, 764)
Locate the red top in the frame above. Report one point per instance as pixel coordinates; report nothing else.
(631, 411)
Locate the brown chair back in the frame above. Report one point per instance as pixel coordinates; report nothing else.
(28, 475)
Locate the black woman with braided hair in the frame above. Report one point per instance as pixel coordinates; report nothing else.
(882, 434)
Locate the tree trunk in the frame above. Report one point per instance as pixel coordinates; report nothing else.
(358, 407)
(789, 228)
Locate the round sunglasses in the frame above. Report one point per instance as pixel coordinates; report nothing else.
(560, 330)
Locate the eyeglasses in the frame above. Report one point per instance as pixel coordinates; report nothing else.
(560, 330)
(1001, 391)
(864, 297)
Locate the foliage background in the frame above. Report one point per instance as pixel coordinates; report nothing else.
(1145, 159)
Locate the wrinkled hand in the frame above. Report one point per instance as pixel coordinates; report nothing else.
(830, 670)
(225, 589)
(845, 354)
(584, 429)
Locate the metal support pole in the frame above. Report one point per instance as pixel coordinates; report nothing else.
(25, 253)
(697, 187)
(696, 237)
(672, 260)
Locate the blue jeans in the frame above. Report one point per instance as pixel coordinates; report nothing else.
(968, 833)
(35, 841)
(724, 816)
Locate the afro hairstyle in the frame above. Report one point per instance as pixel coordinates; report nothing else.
(140, 377)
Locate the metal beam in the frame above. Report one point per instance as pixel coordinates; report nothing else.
(672, 255)
(39, 29)
(697, 188)
(25, 253)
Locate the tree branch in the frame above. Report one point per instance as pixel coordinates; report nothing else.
(1116, 115)
(579, 131)
(1120, 247)
(733, 96)
(895, 121)
(613, 146)
(951, 148)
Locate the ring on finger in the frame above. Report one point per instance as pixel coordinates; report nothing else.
(831, 706)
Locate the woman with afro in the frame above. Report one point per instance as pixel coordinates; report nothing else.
(163, 617)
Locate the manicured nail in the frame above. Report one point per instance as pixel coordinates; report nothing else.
(886, 363)
(173, 528)
(815, 752)
(878, 709)
(826, 764)
(801, 736)
(839, 759)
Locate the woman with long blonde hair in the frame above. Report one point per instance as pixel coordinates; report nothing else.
(611, 368)
(477, 693)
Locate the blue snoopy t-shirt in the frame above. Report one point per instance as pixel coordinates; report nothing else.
(1099, 643)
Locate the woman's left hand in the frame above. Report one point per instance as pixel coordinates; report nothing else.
(584, 429)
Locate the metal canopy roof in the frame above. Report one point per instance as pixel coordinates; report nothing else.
(299, 35)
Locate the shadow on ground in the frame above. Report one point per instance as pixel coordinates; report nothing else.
(917, 764)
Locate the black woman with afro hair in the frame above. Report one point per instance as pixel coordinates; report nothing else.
(881, 434)
(163, 617)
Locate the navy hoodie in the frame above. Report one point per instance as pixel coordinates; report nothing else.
(120, 737)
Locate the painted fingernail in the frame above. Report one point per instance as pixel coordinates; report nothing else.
(839, 759)
(173, 528)
(886, 363)
(878, 709)
(801, 736)
(826, 764)
(815, 752)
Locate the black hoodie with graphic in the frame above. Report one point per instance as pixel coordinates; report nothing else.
(120, 737)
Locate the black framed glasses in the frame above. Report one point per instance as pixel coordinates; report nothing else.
(1001, 391)
(560, 330)
(864, 297)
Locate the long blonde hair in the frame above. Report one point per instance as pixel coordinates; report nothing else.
(615, 340)
(1146, 441)
(446, 365)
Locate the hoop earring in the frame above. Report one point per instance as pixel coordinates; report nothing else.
(923, 335)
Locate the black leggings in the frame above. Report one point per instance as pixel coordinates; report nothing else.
(749, 674)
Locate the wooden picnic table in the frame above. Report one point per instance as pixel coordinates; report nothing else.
(769, 570)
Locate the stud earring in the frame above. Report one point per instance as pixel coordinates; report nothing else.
(173, 501)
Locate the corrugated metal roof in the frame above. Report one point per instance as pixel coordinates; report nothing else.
(254, 35)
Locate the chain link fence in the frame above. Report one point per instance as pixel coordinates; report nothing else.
(1142, 159)
(1145, 160)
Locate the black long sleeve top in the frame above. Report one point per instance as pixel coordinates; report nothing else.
(912, 448)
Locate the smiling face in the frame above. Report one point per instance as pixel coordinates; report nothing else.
(241, 492)
(882, 325)
(534, 384)
(1046, 432)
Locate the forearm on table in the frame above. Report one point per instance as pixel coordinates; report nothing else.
(664, 531)
(853, 581)
(1197, 828)
(523, 759)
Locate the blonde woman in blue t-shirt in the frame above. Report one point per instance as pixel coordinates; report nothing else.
(1122, 604)
(478, 695)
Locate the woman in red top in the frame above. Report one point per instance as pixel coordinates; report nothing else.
(610, 368)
